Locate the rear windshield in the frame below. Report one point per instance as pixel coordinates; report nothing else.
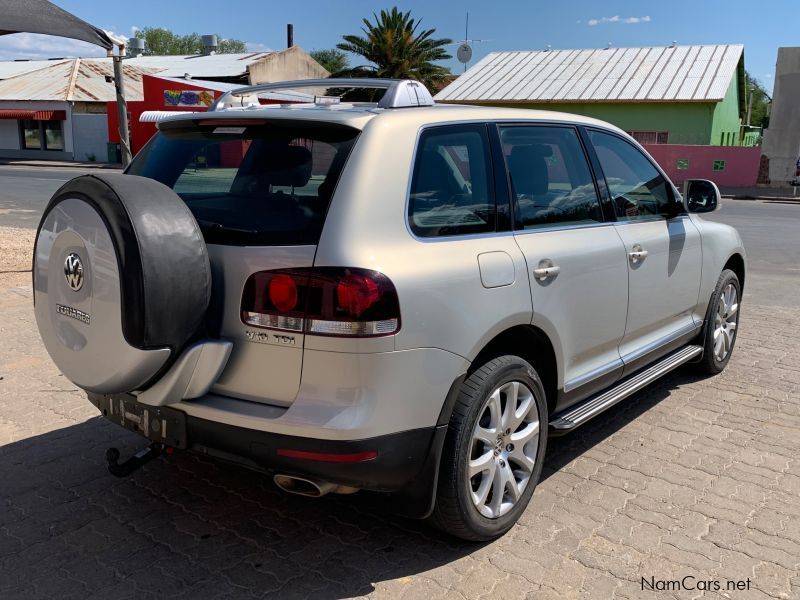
(251, 184)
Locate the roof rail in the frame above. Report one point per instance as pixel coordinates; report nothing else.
(400, 93)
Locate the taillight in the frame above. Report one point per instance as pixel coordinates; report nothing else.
(334, 301)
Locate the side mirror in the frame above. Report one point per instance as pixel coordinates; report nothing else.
(701, 195)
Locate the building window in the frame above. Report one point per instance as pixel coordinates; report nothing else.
(53, 135)
(31, 134)
(650, 137)
(41, 135)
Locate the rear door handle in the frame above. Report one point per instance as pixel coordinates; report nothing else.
(544, 273)
(637, 254)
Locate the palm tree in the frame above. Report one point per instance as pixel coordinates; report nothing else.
(396, 49)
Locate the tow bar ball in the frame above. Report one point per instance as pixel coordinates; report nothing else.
(135, 462)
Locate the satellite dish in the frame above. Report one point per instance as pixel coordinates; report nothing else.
(464, 53)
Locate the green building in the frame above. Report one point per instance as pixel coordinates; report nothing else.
(660, 95)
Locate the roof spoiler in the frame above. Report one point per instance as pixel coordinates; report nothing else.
(400, 93)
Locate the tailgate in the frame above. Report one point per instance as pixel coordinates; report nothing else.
(265, 364)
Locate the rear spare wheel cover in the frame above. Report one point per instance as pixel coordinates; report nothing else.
(111, 255)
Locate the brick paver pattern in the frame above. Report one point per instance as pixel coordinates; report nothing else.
(692, 477)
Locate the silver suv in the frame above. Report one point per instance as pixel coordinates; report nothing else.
(398, 296)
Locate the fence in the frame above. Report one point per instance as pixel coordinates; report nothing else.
(727, 166)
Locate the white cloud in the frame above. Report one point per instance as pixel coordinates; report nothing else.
(618, 19)
(32, 45)
(257, 47)
(36, 46)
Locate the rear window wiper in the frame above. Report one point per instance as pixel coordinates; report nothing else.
(220, 227)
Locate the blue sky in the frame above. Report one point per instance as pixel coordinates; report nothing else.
(506, 25)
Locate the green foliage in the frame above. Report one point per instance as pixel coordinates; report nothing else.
(333, 60)
(231, 46)
(759, 115)
(395, 47)
(161, 41)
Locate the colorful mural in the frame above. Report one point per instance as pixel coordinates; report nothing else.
(187, 98)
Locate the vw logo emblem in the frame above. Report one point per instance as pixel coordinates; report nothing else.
(73, 271)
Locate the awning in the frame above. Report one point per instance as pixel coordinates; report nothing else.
(35, 115)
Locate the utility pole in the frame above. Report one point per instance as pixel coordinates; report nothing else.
(122, 106)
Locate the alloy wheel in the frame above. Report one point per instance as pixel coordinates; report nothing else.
(725, 322)
(503, 449)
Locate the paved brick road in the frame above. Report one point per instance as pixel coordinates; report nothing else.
(695, 477)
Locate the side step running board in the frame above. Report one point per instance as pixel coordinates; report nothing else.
(578, 415)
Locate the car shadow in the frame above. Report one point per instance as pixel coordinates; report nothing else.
(185, 526)
(563, 450)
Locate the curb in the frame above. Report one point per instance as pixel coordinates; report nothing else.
(791, 199)
(60, 165)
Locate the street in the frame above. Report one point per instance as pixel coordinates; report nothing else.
(26, 191)
(691, 477)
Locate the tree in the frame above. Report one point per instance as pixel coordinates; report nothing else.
(395, 47)
(162, 41)
(759, 111)
(333, 60)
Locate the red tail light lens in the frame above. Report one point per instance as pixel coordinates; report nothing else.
(356, 293)
(283, 292)
(333, 301)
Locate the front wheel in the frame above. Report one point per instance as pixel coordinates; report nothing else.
(494, 450)
(722, 324)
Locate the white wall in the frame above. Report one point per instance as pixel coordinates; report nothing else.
(782, 139)
(89, 136)
(9, 134)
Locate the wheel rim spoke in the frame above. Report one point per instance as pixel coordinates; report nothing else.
(487, 436)
(498, 485)
(495, 411)
(510, 484)
(485, 462)
(718, 343)
(522, 460)
(525, 435)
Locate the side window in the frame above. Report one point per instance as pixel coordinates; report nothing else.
(451, 183)
(638, 190)
(550, 178)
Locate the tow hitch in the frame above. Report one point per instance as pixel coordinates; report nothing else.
(135, 462)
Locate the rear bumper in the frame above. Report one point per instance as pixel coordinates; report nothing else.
(404, 464)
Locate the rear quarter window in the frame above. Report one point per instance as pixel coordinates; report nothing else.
(251, 184)
(451, 182)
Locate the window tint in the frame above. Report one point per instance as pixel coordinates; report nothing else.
(638, 190)
(450, 187)
(263, 184)
(550, 178)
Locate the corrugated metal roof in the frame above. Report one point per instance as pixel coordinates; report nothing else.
(75, 80)
(196, 65)
(12, 68)
(654, 74)
(199, 66)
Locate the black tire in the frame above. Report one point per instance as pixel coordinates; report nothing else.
(454, 511)
(710, 364)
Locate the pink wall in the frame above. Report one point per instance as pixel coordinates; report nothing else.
(741, 163)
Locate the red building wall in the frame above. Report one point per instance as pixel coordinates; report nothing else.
(740, 168)
(159, 94)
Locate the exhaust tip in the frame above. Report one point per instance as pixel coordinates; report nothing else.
(302, 486)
